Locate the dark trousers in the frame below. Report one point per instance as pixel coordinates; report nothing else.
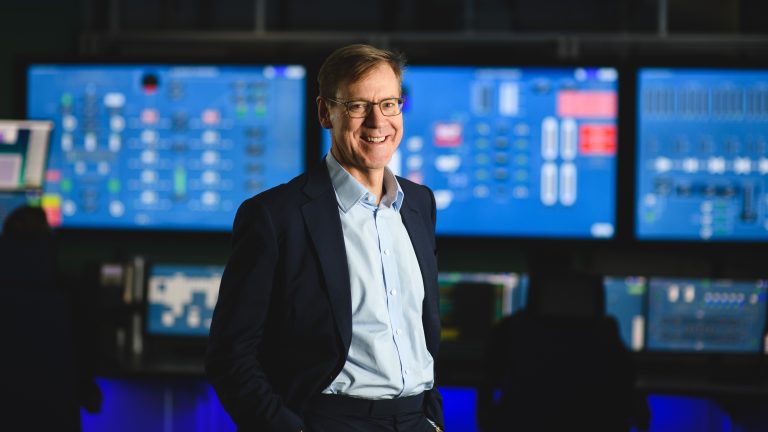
(332, 413)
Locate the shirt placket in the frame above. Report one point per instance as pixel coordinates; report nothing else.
(392, 288)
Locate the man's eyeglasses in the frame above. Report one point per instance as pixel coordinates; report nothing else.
(360, 108)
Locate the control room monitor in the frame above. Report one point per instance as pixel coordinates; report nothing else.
(702, 154)
(471, 302)
(23, 154)
(165, 147)
(625, 301)
(513, 152)
(706, 315)
(181, 299)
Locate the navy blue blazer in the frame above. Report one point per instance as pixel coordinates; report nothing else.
(282, 326)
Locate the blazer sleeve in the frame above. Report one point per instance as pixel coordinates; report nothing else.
(237, 328)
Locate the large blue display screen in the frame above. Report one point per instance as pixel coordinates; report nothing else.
(706, 315)
(625, 301)
(165, 146)
(519, 152)
(702, 159)
(181, 299)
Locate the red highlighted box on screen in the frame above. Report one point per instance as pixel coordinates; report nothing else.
(597, 139)
(448, 134)
(587, 104)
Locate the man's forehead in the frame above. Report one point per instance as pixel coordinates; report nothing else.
(365, 83)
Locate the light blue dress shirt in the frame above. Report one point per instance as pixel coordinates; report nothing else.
(388, 354)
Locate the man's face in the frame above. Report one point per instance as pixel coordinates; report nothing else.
(364, 145)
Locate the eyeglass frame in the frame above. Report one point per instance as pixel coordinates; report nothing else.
(400, 103)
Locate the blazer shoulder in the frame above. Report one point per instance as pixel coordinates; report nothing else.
(280, 196)
(411, 185)
(415, 190)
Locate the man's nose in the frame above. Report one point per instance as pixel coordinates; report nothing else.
(375, 116)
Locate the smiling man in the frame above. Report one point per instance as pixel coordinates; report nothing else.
(327, 319)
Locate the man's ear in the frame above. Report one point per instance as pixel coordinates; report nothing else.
(323, 113)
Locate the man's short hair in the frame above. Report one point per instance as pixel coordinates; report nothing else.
(351, 63)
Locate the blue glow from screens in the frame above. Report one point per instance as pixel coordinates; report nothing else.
(191, 404)
(460, 408)
(181, 299)
(528, 152)
(702, 169)
(625, 301)
(162, 146)
(706, 315)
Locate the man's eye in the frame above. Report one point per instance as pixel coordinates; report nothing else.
(357, 106)
(388, 104)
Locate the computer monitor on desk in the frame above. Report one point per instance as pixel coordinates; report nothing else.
(706, 315)
(23, 154)
(181, 298)
(471, 302)
(625, 301)
(23, 159)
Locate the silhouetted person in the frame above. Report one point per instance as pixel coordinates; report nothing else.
(560, 363)
(46, 378)
(27, 223)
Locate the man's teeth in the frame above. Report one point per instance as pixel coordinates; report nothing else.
(374, 139)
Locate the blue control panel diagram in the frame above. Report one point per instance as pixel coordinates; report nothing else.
(513, 152)
(702, 155)
(625, 301)
(706, 315)
(181, 299)
(171, 147)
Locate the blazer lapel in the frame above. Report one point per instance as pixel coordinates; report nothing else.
(321, 216)
(425, 254)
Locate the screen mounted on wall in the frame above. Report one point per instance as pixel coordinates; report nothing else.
(513, 152)
(174, 147)
(702, 154)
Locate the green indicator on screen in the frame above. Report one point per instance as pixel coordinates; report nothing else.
(66, 185)
(179, 182)
(113, 186)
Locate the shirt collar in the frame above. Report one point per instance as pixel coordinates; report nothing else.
(349, 191)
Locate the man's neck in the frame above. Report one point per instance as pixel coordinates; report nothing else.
(372, 180)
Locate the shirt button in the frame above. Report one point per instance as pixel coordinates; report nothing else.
(393, 291)
(398, 331)
(407, 371)
(386, 251)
